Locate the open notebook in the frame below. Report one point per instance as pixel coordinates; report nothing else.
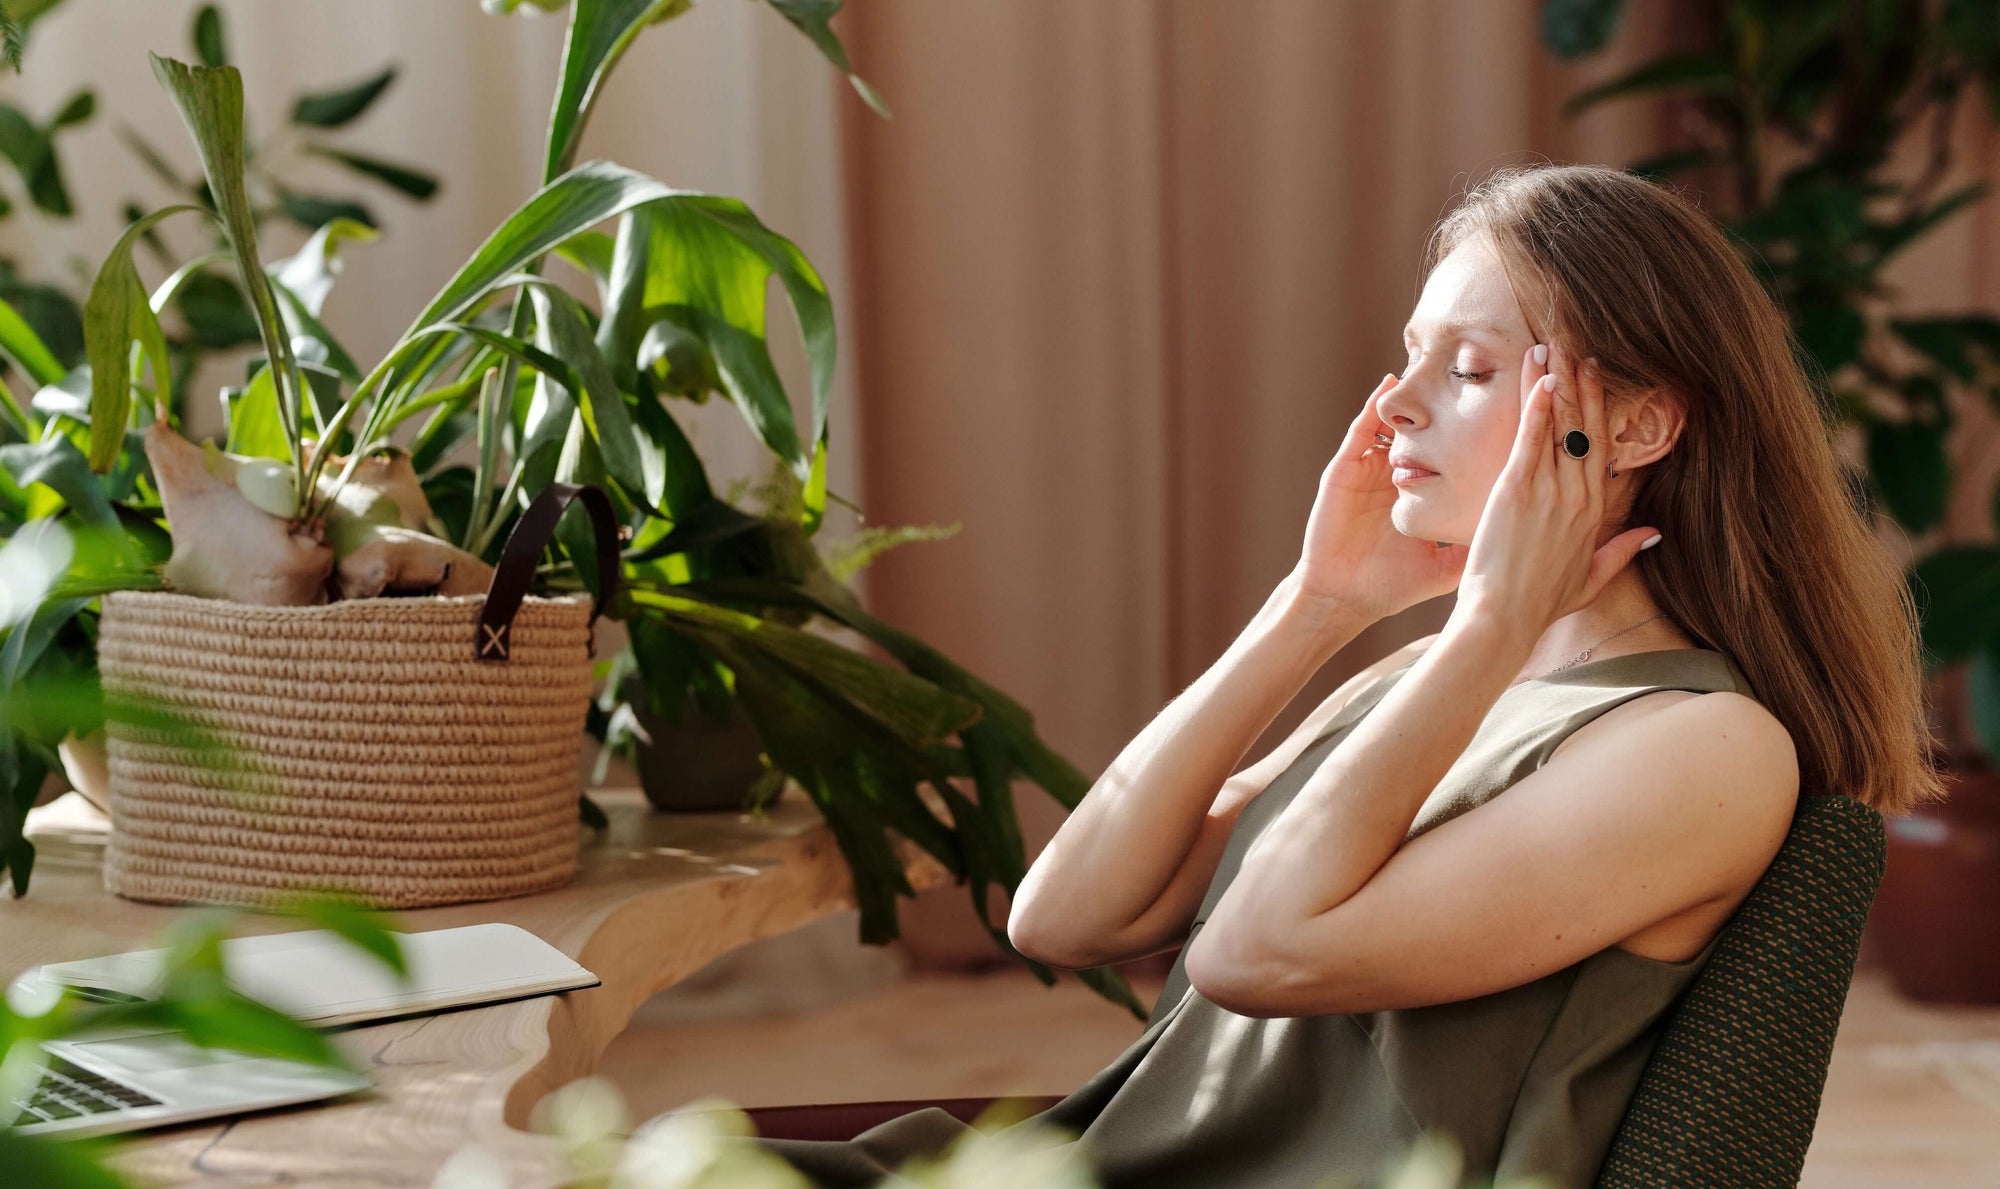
(323, 980)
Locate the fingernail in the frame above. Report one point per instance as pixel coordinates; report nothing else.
(1651, 541)
(1541, 353)
(1548, 382)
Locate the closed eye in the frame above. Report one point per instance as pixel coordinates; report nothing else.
(1470, 377)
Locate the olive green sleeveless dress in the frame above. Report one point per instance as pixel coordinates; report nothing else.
(1533, 1079)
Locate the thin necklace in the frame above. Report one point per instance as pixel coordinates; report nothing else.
(1580, 657)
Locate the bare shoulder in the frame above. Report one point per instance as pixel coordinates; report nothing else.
(1755, 733)
(1717, 742)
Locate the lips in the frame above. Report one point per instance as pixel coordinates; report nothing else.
(1405, 470)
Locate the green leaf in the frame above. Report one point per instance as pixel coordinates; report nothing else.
(72, 1164)
(79, 109)
(49, 313)
(1050, 770)
(310, 272)
(574, 202)
(914, 710)
(32, 151)
(708, 264)
(1573, 28)
(411, 182)
(570, 204)
(208, 36)
(331, 109)
(804, 736)
(1699, 74)
(210, 99)
(57, 464)
(590, 252)
(812, 17)
(600, 31)
(24, 348)
(1832, 333)
(1942, 340)
(1956, 589)
(255, 427)
(1908, 463)
(117, 314)
(312, 211)
(1892, 238)
(561, 330)
(581, 462)
(10, 42)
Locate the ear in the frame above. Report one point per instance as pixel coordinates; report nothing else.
(1645, 426)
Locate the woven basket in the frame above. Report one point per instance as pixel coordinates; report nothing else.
(404, 751)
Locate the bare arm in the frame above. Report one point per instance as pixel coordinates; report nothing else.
(1098, 891)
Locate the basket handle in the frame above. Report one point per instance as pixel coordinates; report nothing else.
(525, 542)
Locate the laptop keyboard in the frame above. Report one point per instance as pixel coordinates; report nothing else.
(68, 1090)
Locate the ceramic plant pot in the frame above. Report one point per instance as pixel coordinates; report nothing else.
(1938, 908)
(702, 764)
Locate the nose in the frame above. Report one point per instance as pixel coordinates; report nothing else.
(1399, 407)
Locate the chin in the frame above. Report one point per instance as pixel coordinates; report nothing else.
(1412, 519)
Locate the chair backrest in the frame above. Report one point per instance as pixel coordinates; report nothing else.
(1731, 1092)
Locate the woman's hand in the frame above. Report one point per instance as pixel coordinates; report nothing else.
(1535, 557)
(1354, 557)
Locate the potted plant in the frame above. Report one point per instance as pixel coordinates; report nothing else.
(704, 754)
(1795, 110)
(506, 386)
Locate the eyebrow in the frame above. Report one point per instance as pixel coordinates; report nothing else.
(1456, 329)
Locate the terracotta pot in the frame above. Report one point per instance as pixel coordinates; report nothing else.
(703, 764)
(1937, 914)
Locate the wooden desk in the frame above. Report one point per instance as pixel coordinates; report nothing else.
(657, 897)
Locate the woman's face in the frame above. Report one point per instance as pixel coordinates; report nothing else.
(1457, 407)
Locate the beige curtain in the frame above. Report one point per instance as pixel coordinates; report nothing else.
(1124, 272)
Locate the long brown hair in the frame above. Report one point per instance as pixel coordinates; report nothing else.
(1765, 557)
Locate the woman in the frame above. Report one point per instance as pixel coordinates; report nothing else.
(1670, 623)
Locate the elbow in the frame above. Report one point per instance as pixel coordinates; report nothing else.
(1250, 975)
(1231, 971)
(1029, 940)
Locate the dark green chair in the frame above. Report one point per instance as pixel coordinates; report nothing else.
(1730, 1094)
(1732, 1090)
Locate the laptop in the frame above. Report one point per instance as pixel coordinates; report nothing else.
(129, 1079)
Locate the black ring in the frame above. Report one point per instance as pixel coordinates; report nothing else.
(1570, 440)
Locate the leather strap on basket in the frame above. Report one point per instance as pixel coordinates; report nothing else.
(516, 571)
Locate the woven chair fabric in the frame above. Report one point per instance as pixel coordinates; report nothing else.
(1731, 1092)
